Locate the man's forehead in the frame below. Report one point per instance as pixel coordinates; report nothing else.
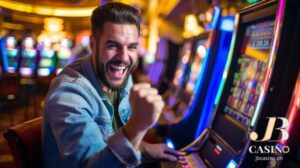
(120, 27)
(121, 32)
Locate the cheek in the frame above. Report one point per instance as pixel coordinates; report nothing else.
(107, 55)
(133, 57)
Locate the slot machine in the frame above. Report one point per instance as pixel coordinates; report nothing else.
(259, 86)
(204, 77)
(183, 63)
(9, 81)
(188, 71)
(186, 75)
(206, 84)
(156, 69)
(63, 55)
(199, 59)
(9, 56)
(173, 95)
(27, 71)
(46, 63)
(28, 60)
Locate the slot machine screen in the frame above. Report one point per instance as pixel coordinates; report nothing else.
(248, 80)
(185, 56)
(47, 61)
(201, 48)
(28, 57)
(47, 54)
(63, 55)
(10, 54)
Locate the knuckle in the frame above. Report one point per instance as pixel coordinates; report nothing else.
(148, 99)
(160, 98)
(135, 87)
(144, 85)
(142, 93)
(154, 90)
(160, 104)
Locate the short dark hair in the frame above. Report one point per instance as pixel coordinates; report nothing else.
(114, 12)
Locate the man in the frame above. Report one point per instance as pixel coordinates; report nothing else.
(89, 103)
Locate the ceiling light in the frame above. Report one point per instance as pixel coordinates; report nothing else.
(191, 26)
(46, 10)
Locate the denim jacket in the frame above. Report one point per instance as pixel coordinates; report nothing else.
(77, 124)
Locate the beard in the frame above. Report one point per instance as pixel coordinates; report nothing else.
(102, 71)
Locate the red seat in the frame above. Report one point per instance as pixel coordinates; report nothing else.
(24, 141)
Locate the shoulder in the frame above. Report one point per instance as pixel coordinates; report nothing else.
(74, 74)
(70, 84)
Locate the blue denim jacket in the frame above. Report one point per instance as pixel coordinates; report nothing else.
(77, 125)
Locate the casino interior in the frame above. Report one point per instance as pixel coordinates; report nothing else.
(226, 69)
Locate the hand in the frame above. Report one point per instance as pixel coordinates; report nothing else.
(159, 151)
(146, 105)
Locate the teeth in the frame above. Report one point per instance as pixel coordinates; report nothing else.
(118, 67)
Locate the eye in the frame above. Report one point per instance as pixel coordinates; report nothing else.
(132, 47)
(112, 46)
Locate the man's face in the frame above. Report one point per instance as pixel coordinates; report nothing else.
(116, 53)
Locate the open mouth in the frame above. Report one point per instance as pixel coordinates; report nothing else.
(117, 72)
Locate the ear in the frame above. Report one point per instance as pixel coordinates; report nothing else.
(93, 50)
(93, 44)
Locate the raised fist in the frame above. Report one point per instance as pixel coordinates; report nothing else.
(146, 105)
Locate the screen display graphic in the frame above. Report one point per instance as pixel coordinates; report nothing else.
(248, 80)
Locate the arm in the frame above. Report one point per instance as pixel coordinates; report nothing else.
(146, 106)
(70, 114)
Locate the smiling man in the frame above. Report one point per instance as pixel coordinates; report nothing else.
(94, 116)
(119, 55)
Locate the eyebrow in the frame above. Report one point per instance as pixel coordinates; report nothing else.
(117, 43)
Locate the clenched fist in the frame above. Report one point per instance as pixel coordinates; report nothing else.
(146, 105)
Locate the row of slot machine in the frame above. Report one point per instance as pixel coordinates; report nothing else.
(237, 93)
(31, 60)
(27, 68)
(199, 72)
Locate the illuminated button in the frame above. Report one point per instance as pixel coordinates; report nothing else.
(181, 157)
(182, 153)
(183, 162)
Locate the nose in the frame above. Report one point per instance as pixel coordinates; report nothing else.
(124, 54)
